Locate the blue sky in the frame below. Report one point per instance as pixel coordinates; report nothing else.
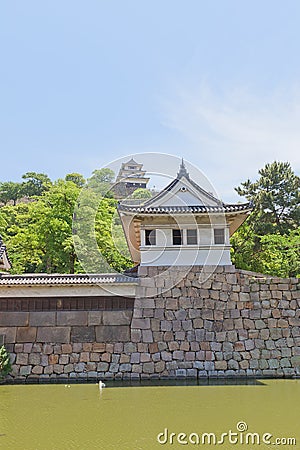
(85, 83)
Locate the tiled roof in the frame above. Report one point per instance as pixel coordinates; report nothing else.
(197, 209)
(53, 279)
(183, 174)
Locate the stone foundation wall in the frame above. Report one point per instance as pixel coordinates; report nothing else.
(225, 322)
(184, 324)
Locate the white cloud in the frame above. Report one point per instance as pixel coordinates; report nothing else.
(234, 134)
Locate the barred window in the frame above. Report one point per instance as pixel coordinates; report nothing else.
(219, 235)
(150, 237)
(191, 237)
(177, 237)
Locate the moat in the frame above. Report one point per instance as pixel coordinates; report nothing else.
(80, 416)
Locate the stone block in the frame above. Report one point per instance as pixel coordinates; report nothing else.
(136, 335)
(79, 367)
(25, 371)
(14, 319)
(53, 334)
(9, 334)
(187, 325)
(83, 334)
(22, 359)
(53, 359)
(34, 359)
(26, 334)
(172, 303)
(42, 318)
(28, 347)
(66, 318)
(117, 317)
(130, 347)
(107, 333)
(259, 324)
(178, 354)
(198, 323)
(282, 323)
(159, 366)
(58, 369)
(239, 346)
(181, 314)
(285, 362)
(228, 324)
(64, 359)
(166, 325)
(275, 333)
(200, 334)
(221, 365)
(66, 348)
(94, 318)
(232, 336)
(233, 365)
(147, 336)
(148, 367)
(102, 366)
(228, 347)
(244, 364)
(185, 346)
(125, 367)
(244, 297)
(153, 348)
(37, 370)
(166, 356)
(142, 324)
(36, 348)
(135, 358)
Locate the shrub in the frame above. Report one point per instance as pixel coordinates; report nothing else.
(5, 365)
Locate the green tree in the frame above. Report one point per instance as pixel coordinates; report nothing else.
(101, 181)
(141, 193)
(21, 235)
(276, 199)
(39, 234)
(36, 184)
(272, 254)
(10, 192)
(76, 178)
(268, 242)
(96, 233)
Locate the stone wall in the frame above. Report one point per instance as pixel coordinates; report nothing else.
(192, 323)
(50, 344)
(220, 322)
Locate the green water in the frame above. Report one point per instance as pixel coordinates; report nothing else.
(44, 417)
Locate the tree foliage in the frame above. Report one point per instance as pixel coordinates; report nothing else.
(276, 199)
(101, 181)
(269, 241)
(76, 178)
(10, 192)
(141, 193)
(40, 234)
(5, 364)
(35, 184)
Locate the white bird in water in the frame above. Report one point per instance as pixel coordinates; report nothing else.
(101, 385)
